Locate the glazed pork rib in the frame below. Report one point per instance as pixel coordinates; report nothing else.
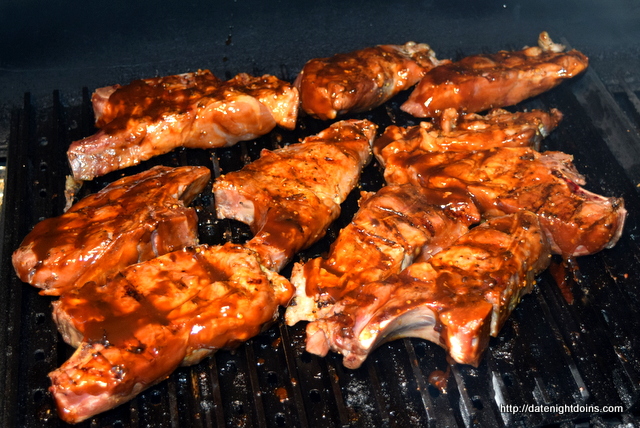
(155, 116)
(499, 128)
(291, 195)
(361, 80)
(132, 219)
(154, 316)
(458, 298)
(391, 228)
(481, 82)
(506, 180)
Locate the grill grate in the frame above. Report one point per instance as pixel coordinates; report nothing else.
(548, 353)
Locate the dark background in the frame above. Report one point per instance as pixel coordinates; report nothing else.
(66, 45)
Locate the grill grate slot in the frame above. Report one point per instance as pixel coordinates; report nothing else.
(548, 353)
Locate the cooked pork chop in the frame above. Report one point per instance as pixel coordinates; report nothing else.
(361, 80)
(140, 97)
(291, 195)
(155, 116)
(505, 180)
(391, 228)
(499, 128)
(154, 316)
(481, 82)
(458, 298)
(132, 219)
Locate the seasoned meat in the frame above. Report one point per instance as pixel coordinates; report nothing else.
(361, 80)
(133, 219)
(505, 180)
(499, 128)
(458, 298)
(481, 82)
(140, 97)
(290, 196)
(391, 228)
(155, 116)
(154, 316)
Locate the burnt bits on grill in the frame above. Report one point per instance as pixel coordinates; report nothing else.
(144, 321)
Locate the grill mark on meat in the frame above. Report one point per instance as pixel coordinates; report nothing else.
(126, 345)
(391, 228)
(504, 180)
(289, 196)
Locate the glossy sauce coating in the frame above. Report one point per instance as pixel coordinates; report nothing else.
(151, 98)
(290, 196)
(499, 128)
(481, 82)
(155, 116)
(506, 180)
(391, 229)
(457, 299)
(361, 80)
(175, 309)
(111, 229)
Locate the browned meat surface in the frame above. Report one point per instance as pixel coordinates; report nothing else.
(155, 94)
(457, 299)
(154, 316)
(505, 180)
(131, 220)
(155, 116)
(391, 228)
(361, 80)
(480, 82)
(499, 128)
(290, 196)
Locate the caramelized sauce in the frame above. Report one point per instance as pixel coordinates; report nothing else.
(154, 98)
(507, 180)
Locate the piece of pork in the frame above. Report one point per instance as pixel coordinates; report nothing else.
(361, 80)
(499, 128)
(154, 316)
(505, 180)
(132, 219)
(152, 94)
(291, 195)
(155, 116)
(481, 82)
(458, 298)
(391, 228)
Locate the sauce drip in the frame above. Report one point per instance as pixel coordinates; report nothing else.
(440, 379)
(564, 274)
